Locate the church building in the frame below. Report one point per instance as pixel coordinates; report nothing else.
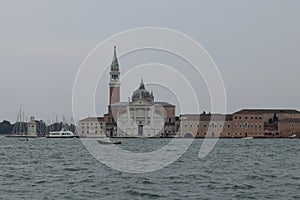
(139, 117)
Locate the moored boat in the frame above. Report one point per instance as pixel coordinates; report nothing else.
(247, 138)
(108, 142)
(293, 136)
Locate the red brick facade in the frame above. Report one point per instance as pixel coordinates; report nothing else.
(245, 123)
(114, 94)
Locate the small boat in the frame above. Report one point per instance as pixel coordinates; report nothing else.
(23, 139)
(117, 142)
(61, 134)
(293, 136)
(247, 138)
(108, 142)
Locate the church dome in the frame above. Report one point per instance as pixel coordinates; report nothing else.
(142, 93)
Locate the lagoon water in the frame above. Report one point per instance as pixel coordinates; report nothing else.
(236, 169)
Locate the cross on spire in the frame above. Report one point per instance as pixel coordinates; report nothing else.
(142, 86)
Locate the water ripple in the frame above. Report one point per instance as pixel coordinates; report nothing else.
(235, 169)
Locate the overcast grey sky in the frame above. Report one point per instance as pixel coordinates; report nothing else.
(254, 43)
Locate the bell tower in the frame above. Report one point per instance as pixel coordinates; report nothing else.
(114, 83)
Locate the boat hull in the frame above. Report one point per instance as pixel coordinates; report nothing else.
(73, 136)
(248, 138)
(108, 142)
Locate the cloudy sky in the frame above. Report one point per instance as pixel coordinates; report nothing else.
(255, 45)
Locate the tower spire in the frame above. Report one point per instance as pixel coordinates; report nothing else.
(115, 62)
(114, 84)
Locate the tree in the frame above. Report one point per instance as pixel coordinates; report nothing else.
(6, 127)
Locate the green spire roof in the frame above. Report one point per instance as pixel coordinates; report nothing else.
(115, 63)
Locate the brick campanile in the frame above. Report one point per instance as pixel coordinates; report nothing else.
(114, 83)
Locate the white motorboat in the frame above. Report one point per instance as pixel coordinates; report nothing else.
(293, 136)
(247, 138)
(61, 134)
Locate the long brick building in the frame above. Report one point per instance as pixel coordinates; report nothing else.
(257, 123)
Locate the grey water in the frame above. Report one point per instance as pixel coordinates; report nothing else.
(235, 169)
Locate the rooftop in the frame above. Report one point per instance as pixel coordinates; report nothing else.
(165, 104)
(263, 111)
(93, 119)
(125, 103)
(206, 117)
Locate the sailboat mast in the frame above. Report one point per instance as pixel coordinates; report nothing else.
(23, 120)
(15, 130)
(20, 114)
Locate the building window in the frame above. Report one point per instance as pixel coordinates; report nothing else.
(240, 117)
(235, 117)
(246, 117)
(204, 125)
(228, 125)
(212, 125)
(191, 125)
(260, 118)
(185, 125)
(228, 133)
